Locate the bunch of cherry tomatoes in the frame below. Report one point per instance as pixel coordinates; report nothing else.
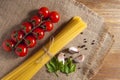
(30, 31)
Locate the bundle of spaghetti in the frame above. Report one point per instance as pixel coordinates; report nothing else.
(31, 66)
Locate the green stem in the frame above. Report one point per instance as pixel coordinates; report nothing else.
(56, 74)
(67, 75)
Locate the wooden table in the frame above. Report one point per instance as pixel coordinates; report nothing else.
(110, 10)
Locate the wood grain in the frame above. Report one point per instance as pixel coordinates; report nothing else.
(110, 10)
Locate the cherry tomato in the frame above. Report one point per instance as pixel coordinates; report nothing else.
(47, 26)
(27, 26)
(43, 11)
(17, 35)
(35, 20)
(21, 50)
(8, 45)
(30, 41)
(54, 16)
(38, 33)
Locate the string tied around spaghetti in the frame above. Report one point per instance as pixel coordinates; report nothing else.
(46, 50)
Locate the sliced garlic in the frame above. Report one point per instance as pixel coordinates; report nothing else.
(79, 58)
(73, 50)
(61, 57)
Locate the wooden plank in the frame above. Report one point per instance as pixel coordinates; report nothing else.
(110, 69)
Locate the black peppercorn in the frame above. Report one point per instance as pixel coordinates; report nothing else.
(85, 48)
(81, 33)
(82, 46)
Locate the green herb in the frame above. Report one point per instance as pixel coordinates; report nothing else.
(69, 66)
(54, 65)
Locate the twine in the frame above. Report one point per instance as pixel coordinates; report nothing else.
(46, 50)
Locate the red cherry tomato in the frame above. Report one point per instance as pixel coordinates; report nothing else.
(36, 20)
(8, 45)
(17, 35)
(43, 11)
(21, 50)
(27, 26)
(47, 26)
(30, 41)
(38, 33)
(54, 16)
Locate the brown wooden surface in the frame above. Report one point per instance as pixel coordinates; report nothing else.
(110, 10)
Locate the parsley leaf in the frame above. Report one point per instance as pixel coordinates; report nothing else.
(54, 65)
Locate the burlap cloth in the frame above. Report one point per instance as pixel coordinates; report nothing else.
(14, 12)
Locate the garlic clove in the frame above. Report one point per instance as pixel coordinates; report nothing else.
(79, 58)
(61, 57)
(73, 50)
